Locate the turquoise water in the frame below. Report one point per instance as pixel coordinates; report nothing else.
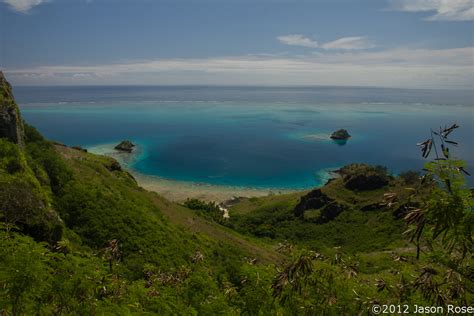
(252, 137)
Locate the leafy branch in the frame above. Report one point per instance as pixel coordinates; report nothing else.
(448, 209)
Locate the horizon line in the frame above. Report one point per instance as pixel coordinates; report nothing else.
(466, 89)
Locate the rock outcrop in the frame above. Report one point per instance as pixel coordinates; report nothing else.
(114, 166)
(125, 145)
(79, 148)
(360, 177)
(11, 124)
(330, 212)
(341, 134)
(311, 201)
(317, 200)
(364, 182)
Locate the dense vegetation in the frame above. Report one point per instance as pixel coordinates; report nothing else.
(209, 210)
(276, 217)
(79, 236)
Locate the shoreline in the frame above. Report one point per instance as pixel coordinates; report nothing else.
(179, 191)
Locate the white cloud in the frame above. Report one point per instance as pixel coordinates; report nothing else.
(346, 43)
(356, 42)
(23, 6)
(420, 68)
(297, 40)
(445, 10)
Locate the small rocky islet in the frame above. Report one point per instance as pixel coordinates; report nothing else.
(340, 134)
(125, 146)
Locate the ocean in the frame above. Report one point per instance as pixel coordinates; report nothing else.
(256, 137)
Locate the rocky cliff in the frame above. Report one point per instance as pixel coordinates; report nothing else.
(11, 124)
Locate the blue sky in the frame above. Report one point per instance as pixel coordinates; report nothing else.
(391, 43)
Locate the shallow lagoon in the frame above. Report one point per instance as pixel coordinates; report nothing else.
(273, 138)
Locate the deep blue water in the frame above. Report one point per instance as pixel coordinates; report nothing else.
(252, 136)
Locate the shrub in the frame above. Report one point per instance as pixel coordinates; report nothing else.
(207, 209)
(410, 177)
(11, 158)
(42, 153)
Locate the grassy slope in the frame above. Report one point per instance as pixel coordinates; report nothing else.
(92, 168)
(354, 229)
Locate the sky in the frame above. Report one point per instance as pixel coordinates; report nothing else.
(386, 43)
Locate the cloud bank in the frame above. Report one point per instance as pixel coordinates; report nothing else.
(422, 68)
(445, 10)
(345, 43)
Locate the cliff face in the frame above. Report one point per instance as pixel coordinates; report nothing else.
(11, 124)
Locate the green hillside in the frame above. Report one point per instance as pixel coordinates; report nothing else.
(360, 221)
(84, 207)
(80, 237)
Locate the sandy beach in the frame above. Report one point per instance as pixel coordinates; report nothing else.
(180, 190)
